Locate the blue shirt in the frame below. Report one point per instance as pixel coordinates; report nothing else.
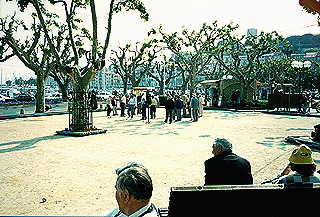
(194, 102)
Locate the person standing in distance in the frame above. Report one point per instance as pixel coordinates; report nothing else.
(169, 105)
(194, 105)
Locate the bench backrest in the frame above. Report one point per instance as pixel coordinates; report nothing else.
(249, 200)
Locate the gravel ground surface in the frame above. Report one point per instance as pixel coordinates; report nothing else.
(76, 175)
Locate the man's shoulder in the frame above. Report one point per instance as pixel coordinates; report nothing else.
(212, 160)
(235, 156)
(226, 156)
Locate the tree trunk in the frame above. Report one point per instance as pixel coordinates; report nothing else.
(184, 87)
(64, 92)
(245, 92)
(81, 119)
(185, 82)
(40, 96)
(161, 86)
(245, 88)
(125, 84)
(63, 85)
(192, 86)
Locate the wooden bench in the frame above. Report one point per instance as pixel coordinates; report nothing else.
(244, 200)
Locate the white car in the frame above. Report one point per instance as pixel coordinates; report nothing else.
(54, 96)
(103, 96)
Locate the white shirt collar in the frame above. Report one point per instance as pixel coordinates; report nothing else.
(140, 211)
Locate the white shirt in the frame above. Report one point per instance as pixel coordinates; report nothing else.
(124, 99)
(201, 101)
(141, 212)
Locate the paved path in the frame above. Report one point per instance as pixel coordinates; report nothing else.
(29, 109)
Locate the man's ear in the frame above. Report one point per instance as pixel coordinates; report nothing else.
(126, 195)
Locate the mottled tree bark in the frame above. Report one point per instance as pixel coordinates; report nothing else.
(40, 97)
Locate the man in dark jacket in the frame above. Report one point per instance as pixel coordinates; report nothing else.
(226, 168)
(169, 105)
(179, 105)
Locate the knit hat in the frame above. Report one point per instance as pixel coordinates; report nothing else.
(301, 155)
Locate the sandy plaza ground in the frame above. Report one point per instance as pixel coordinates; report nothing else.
(76, 175)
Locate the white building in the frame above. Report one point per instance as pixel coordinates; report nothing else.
(252, 32)
(106, 79)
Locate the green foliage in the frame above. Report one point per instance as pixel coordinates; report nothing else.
(134, 62)
(276, 71)
(2, 48)
(86, 33)
(23, 4)
(132, 5)
(253, 104)
(194, 50)
(245, 53)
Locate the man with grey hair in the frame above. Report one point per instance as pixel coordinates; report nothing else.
(226, 168)
(194, 105)
(133, 192)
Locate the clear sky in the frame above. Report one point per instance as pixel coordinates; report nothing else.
(284, 16)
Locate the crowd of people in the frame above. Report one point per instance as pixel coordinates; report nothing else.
(145, 104)
(134, 185)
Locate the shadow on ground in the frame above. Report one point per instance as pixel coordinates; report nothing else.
(25, 144)
(133, 127)
(280, 142)
(274, 141)
(307, 129)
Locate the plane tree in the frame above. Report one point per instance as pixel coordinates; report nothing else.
(193, 50)
(277, 71)
(5, 51)
(241, 56)
(132, 63)
(33, 52)
(80, 74)
(163, 72)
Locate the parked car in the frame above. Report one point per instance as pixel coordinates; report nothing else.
(6, 99)
(103, 96)
(24, 98)
(53, 96)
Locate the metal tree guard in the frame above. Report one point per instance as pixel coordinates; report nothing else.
(80, 109)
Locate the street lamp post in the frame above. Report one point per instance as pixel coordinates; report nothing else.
(301, 66)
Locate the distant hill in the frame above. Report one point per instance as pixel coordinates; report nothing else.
(304, 43)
